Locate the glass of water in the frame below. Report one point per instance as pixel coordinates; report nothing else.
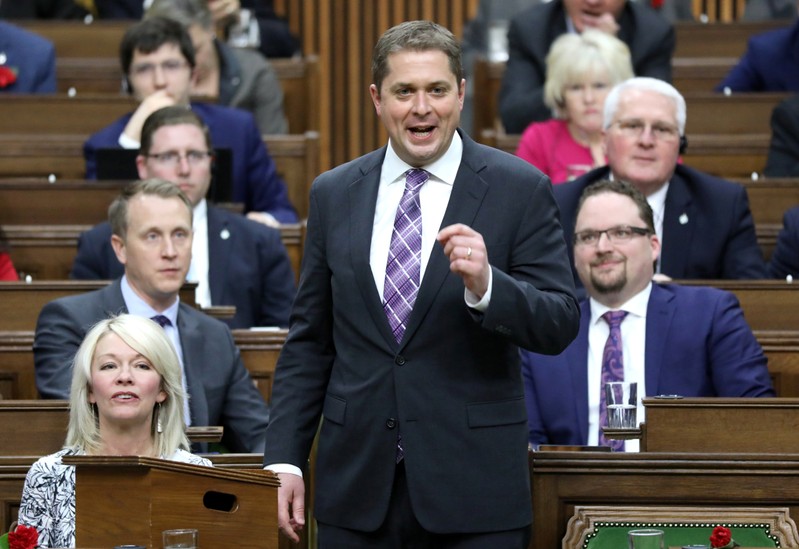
(185, 538)
(622, 400)
(647, 538)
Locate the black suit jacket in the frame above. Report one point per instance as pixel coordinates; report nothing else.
(453, 386)
(221, 390)
(708, 232)
(248, 267)
(521, 99)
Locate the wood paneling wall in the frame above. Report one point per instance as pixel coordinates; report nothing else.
(342, 34)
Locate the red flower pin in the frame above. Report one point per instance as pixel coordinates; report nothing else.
(7, 76)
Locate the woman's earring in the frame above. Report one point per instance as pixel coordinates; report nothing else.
(158, 427)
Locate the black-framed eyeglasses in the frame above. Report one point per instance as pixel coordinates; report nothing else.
(620, 233)
(172, 158)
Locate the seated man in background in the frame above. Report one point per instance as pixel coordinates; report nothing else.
(769, 64)
(27, 61)
(521, 99)
(703, 223)
(236, 77)
(152, 225)
(235, 261)
(679, 340)
(158, 60)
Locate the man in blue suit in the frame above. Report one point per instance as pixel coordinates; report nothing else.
(703, 223)
(677, 340)
(235, 261)
(157, 57)
(30, 57)
(769, 64)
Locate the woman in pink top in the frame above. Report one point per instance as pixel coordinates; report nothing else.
(581, 69)
(7, 271)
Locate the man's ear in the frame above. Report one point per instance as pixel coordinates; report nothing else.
(375, 93)
(119, 248)
(141, 167)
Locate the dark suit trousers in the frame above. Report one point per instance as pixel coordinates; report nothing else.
(401, 530)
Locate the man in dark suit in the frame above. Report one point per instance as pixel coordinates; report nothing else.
(30, 57)
(703, 222)
(152, 227)
(412, 305)
(769, 64)
(157, 57)
(521, 99)
(236, 261)
(783, 152)
(676, 340)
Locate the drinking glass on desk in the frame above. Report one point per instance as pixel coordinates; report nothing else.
(186, 538)
(622, 401)
(647, 538)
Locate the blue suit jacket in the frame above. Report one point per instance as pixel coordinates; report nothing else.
(256, 183)
(248, 267)
(785, 259)
(697, 344)
(32, 56)
(770, 63)
(220, 388)
(708, 231)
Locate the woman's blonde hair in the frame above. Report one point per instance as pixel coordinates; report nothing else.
(574, 57)
(148, 339)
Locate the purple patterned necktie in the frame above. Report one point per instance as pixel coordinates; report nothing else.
(404, 255)
(612, 370)
(161, 320)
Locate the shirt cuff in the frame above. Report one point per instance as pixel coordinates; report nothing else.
(480, 305)
(284, 468)
(127, 143)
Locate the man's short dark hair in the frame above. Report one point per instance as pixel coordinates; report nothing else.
(171, 116)
(625, 189)
(415, 36)
(150, 34)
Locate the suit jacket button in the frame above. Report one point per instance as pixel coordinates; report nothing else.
(391, 423)
(400, 360)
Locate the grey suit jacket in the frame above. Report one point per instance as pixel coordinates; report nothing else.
(452, 387)
(220, 388)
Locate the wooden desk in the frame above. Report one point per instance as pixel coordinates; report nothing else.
(718, 39)
(561, 481)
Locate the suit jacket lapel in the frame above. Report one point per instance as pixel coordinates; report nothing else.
(362, 194)
(218, 255)
(678, 227)
(659, 314)
(468, 192)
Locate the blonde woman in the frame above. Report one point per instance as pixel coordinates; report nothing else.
(581, 70)
(126, 399)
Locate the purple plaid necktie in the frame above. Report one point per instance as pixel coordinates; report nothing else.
(612, 370)
(404, 255)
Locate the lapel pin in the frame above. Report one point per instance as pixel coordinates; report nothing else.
(683, 219)
(225, 234)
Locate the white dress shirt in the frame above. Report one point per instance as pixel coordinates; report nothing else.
(198, 271)
(633, 342)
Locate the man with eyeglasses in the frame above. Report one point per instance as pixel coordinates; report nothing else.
(234, 261)
(157, 58)
(703, 222)
(674, 340)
